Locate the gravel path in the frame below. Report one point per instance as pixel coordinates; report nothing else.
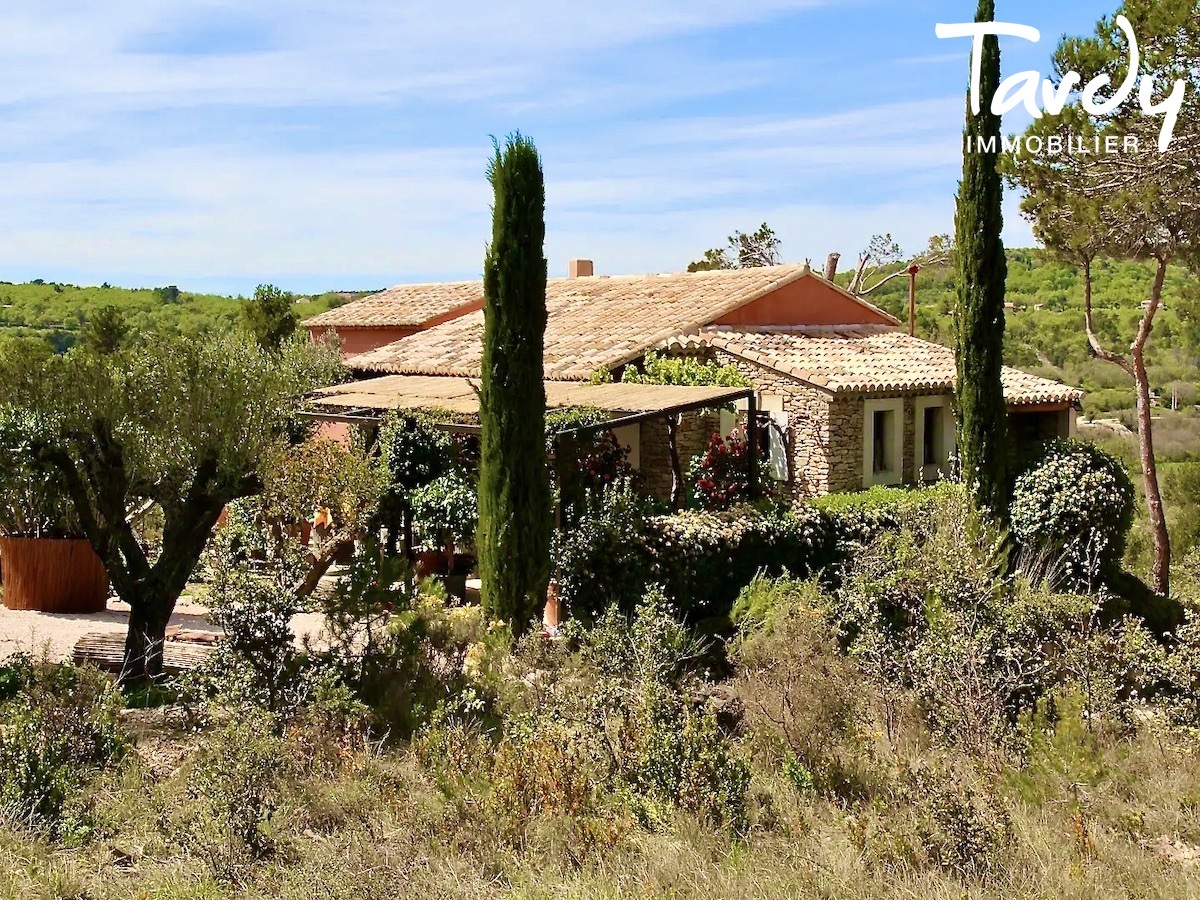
(37, 633)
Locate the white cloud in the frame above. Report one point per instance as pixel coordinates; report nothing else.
(116, 163)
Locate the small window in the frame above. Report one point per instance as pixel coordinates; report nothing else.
(881, 453)
(934, 436)
(883, 442)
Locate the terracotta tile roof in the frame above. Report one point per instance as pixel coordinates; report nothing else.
(594, 323)
(866, 359)
(404, 306)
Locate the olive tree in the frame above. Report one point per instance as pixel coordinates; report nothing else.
(180, 424)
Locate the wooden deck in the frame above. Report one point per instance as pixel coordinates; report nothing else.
(106, 651)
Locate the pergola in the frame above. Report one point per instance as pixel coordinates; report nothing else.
(366, 402)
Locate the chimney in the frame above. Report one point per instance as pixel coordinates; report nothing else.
(581, 268)
(831, 266)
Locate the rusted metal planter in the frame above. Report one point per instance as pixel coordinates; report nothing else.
(52, 575)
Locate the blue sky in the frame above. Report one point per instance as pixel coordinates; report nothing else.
(341, 145)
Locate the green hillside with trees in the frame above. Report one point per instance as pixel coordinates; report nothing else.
(1044, 333)
(59, 312)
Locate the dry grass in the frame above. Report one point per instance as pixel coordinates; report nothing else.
(1091, 817)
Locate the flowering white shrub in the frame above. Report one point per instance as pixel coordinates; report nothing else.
(1074, 508)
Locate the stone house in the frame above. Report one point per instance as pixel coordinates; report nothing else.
(847, 398)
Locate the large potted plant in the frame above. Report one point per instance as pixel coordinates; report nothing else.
(446, 514)
(46, 563)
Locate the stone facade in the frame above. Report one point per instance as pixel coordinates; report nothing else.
(655, 466)
(825, 433)
(846, 446)
(820, 429)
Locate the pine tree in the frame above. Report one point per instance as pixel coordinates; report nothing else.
(982, 269)
(514, 488)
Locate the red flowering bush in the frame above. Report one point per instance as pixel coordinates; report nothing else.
(721, 476)
(603, 463)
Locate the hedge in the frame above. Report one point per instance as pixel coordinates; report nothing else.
(702, 560)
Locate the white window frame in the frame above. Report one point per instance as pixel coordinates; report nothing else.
(931, 473)
(894, 474)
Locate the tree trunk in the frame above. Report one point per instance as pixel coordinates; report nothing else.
(143, 663)
(1161, 571)
(1135, 366)
(676, 474)
(152, 594)
(322, 561)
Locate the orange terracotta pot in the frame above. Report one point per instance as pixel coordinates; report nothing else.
(53, 576)
(552, 616)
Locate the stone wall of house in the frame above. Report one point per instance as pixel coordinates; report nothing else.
(909, 464)
(826, 441)
(656, 458)
(825, 444)
(696, 430)
(846, 424)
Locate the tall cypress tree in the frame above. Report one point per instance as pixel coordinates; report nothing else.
(514, 482)
(982, 269)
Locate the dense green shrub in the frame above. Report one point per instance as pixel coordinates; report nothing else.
(964, 826)
(930, 608)
(1180, 698)
(674, 756)
(858, 518)
(403, 651)
(413, 452)
(605, 559)
(258, 662)
(58, 732)
(1074, 507)
(941, 817)
(802, 696)
(704, 559)
(652, 647)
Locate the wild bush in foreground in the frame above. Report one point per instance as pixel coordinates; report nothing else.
(58, 732)
(930, 609)
(599, 741)
(803, 697)
(403, 650)
(235, 787)
(257, 663)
